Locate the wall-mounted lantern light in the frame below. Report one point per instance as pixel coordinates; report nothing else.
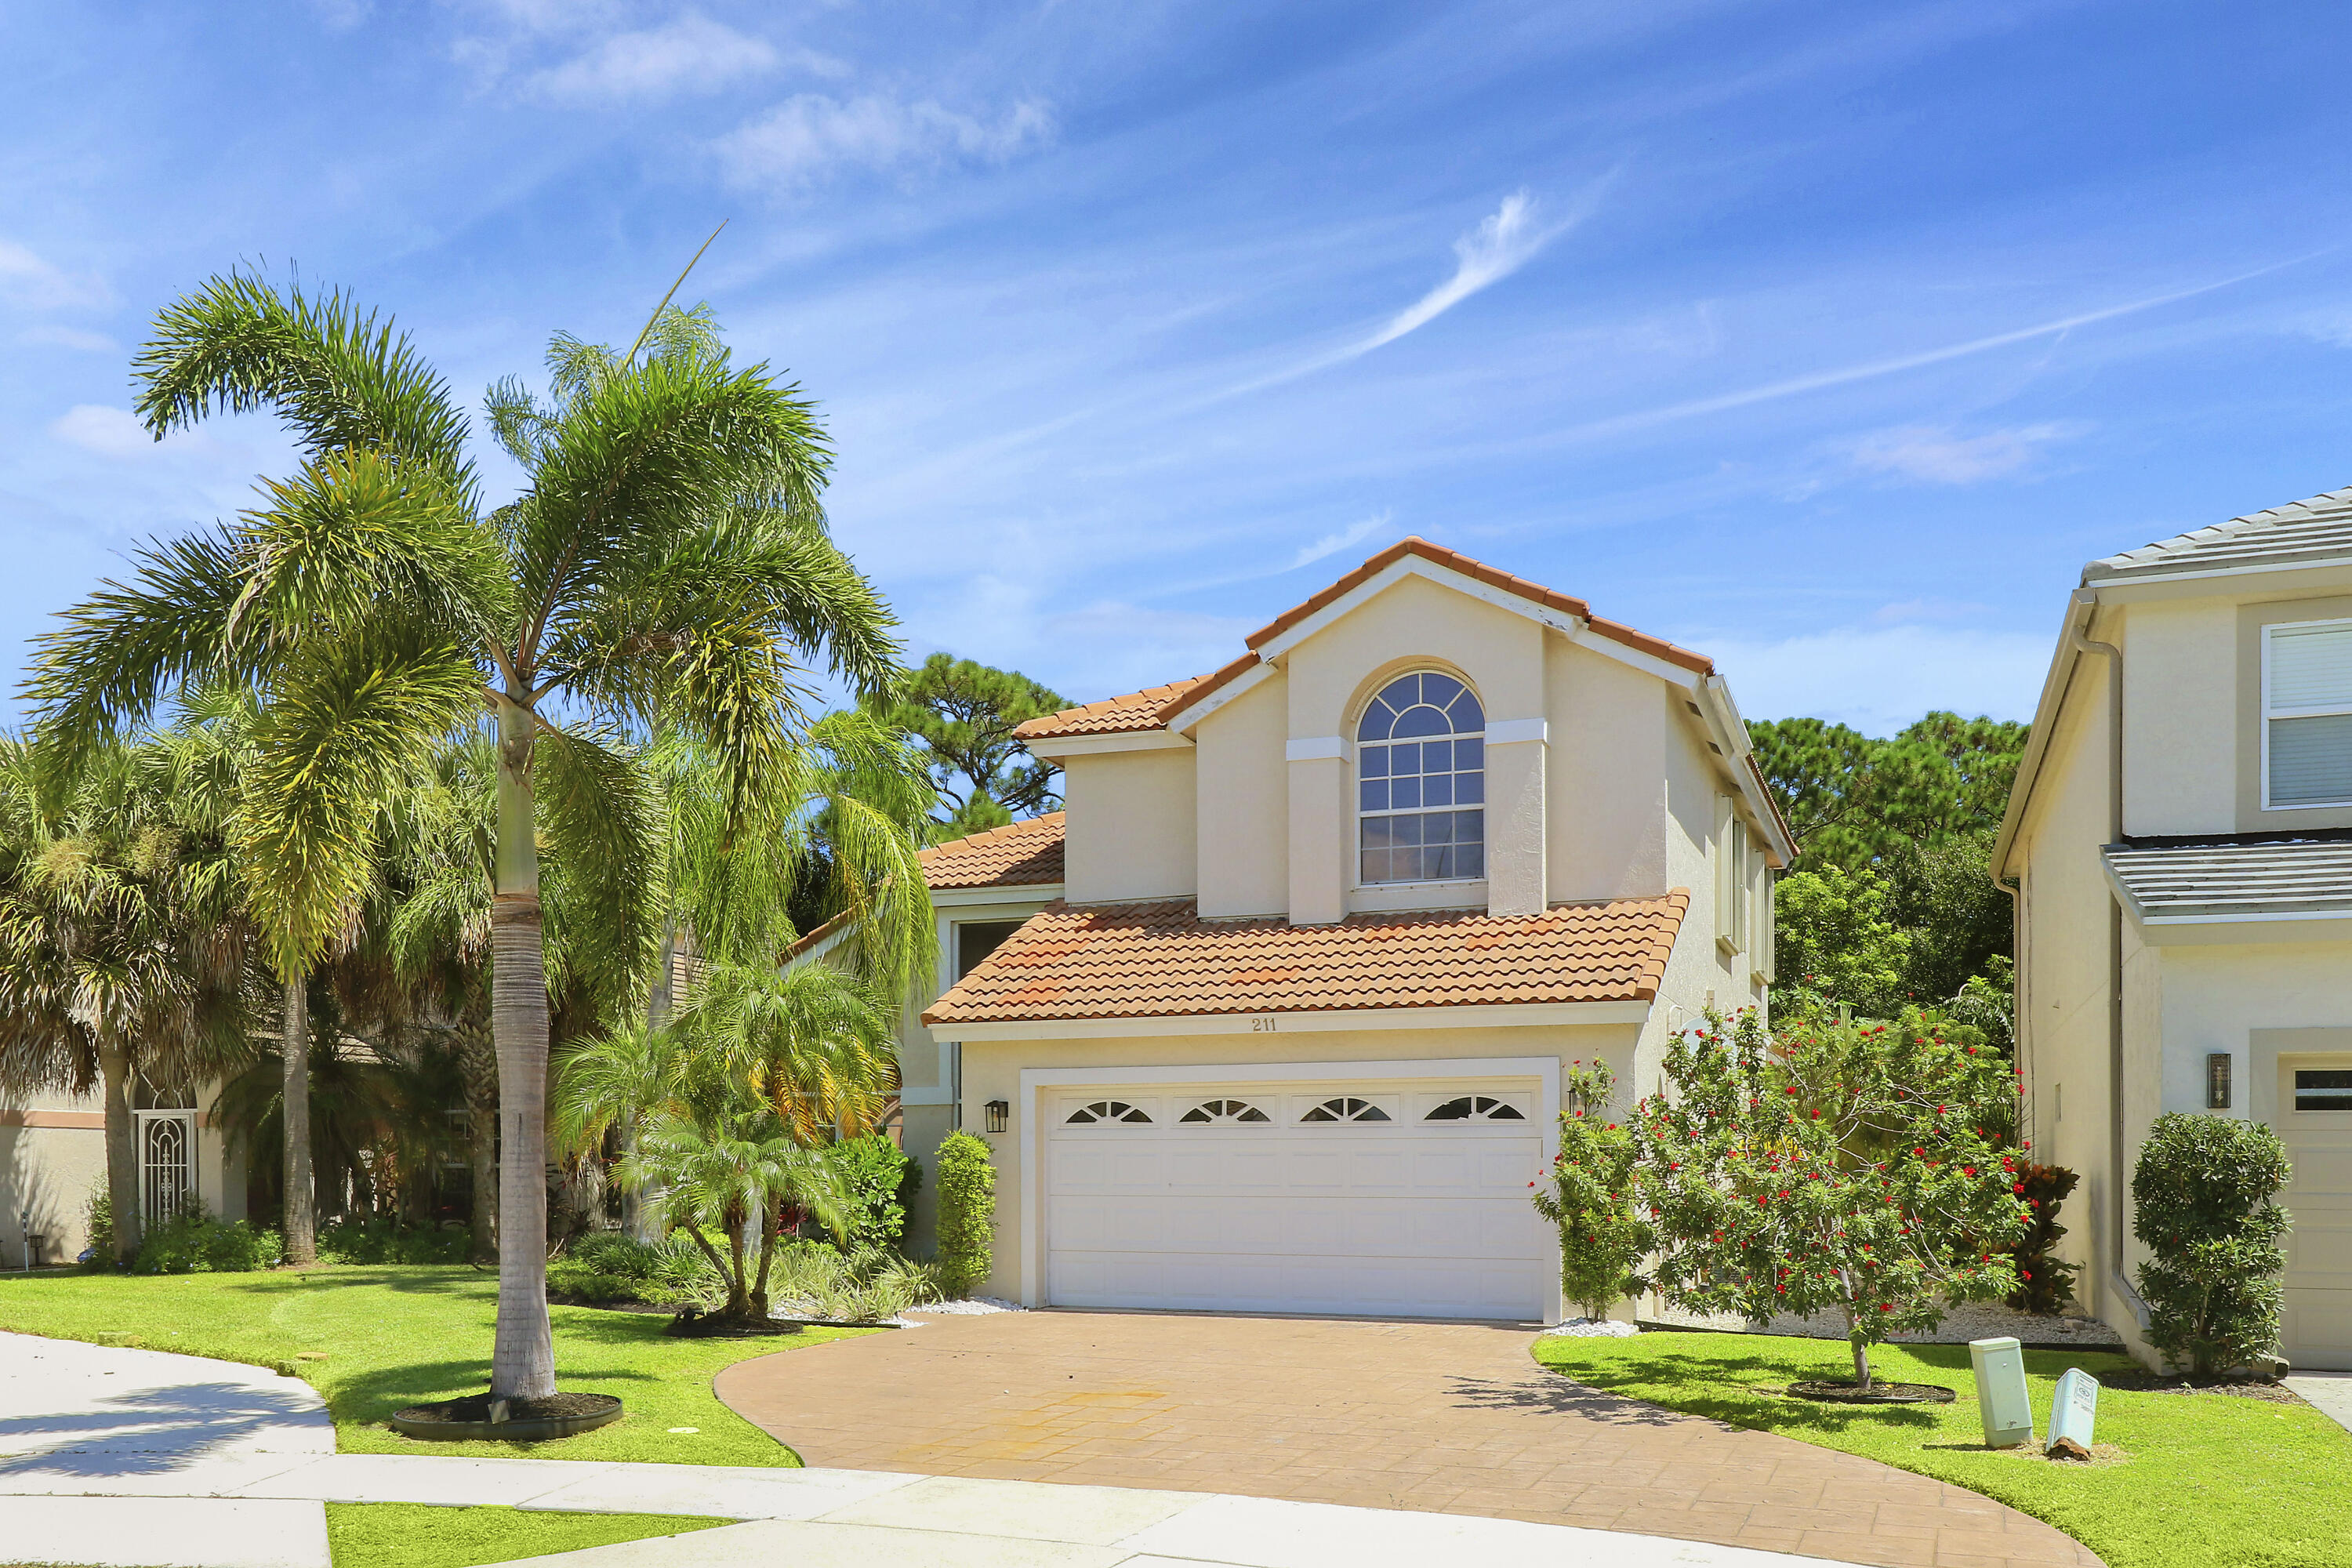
(2217, 1080)
(997, 1112)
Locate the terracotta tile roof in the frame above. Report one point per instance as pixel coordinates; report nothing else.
(1160, 960)
(1416, 545)
(1026, 854)
(1111, 716)
(1194, 690)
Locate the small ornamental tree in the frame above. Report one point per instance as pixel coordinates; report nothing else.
(1591, 1196)
(1834, 1168)
(2201, 1196)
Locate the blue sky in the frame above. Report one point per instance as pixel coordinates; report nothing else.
(1829, 338)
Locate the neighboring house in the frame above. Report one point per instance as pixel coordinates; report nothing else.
(53, 1158)
(2180, 841)
(1273, 1016)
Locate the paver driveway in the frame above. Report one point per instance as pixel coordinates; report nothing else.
(1447, 1418)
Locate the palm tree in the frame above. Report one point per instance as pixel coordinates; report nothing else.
(666, 563)
(122, 955)
(734, 1102)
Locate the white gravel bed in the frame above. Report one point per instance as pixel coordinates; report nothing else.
(1964, 1322)
(972, 1307)
(1590, 1328)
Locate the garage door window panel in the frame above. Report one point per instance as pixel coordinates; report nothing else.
(1107, 1110)
(1346, 1107)
(1224, 1112)
(1476, 1108)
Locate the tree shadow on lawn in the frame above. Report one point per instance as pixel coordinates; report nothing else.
(377, 1393)
(1722, 1388)
(407, 1279)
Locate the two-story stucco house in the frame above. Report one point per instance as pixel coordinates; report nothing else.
(1273, 1015)
(2180, 842)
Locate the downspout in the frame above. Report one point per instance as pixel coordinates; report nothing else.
(2088, 599)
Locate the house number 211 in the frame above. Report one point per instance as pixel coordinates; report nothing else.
(1261, 1026)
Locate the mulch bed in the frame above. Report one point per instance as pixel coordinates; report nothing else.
(477, 1407)
(1843, 1390)
(693, 1325)
(2242, 1386)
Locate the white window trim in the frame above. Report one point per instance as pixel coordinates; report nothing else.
(1034, 1081)
(2264, 718)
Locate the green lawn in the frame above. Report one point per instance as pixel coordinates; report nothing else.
(397, 1335)
(2204, 1479)
(413, 1535)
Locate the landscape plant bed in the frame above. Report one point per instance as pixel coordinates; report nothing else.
(1845, 1391)
(2244, 1386)
(474, 1418)
(2172, 1483)
(693, 1325)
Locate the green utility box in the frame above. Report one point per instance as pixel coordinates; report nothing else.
(2001, 1400)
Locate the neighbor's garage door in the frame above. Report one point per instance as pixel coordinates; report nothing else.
(1371, 1199)
(2315, 1124)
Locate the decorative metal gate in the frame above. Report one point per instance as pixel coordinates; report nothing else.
(167, 1163)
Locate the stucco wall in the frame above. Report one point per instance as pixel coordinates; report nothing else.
(1133, 815)
(2064, 997)
(2181, 717)
(2214, 997)
(992, 1071)
(1243, 837)
(1606, 784)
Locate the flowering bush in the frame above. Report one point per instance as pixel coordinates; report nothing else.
(1842, 1166)
(1591, 1196)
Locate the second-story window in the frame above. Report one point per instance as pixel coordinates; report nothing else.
(1420, 782)
(2307, 714)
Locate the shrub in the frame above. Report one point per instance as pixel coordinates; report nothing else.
(2044, 1284)
(1592, 1197)
(967, 1213)
(376, 1239)
(99, 1224)
(879, 1181)
(867, 1286)
(610, 1266)
(1835, 1167)
(193, 1241)
(2201, 1196)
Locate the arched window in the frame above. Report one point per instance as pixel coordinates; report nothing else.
(1475, 1107)
(1420, 782)
(1346, 1109)
(1107, 1110)
(1224, 1111)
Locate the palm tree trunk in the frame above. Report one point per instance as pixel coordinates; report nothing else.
(301, 1200)
(121, 1150)
(522, 1359)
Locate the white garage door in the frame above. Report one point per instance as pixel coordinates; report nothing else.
(1371, 1199)
(2315, 1124)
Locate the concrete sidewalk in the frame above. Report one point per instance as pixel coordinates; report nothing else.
(136, 1459)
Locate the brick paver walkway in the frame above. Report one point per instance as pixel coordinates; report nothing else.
(1446, 1417)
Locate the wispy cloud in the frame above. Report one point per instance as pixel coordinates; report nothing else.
(71, 338)
(691, 55)
(1819, 380)
(35, 283)
(1505, 241)
(1332, 543)
(1934, 455)
(108, 432)
(1881, 678)
(812, 136)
